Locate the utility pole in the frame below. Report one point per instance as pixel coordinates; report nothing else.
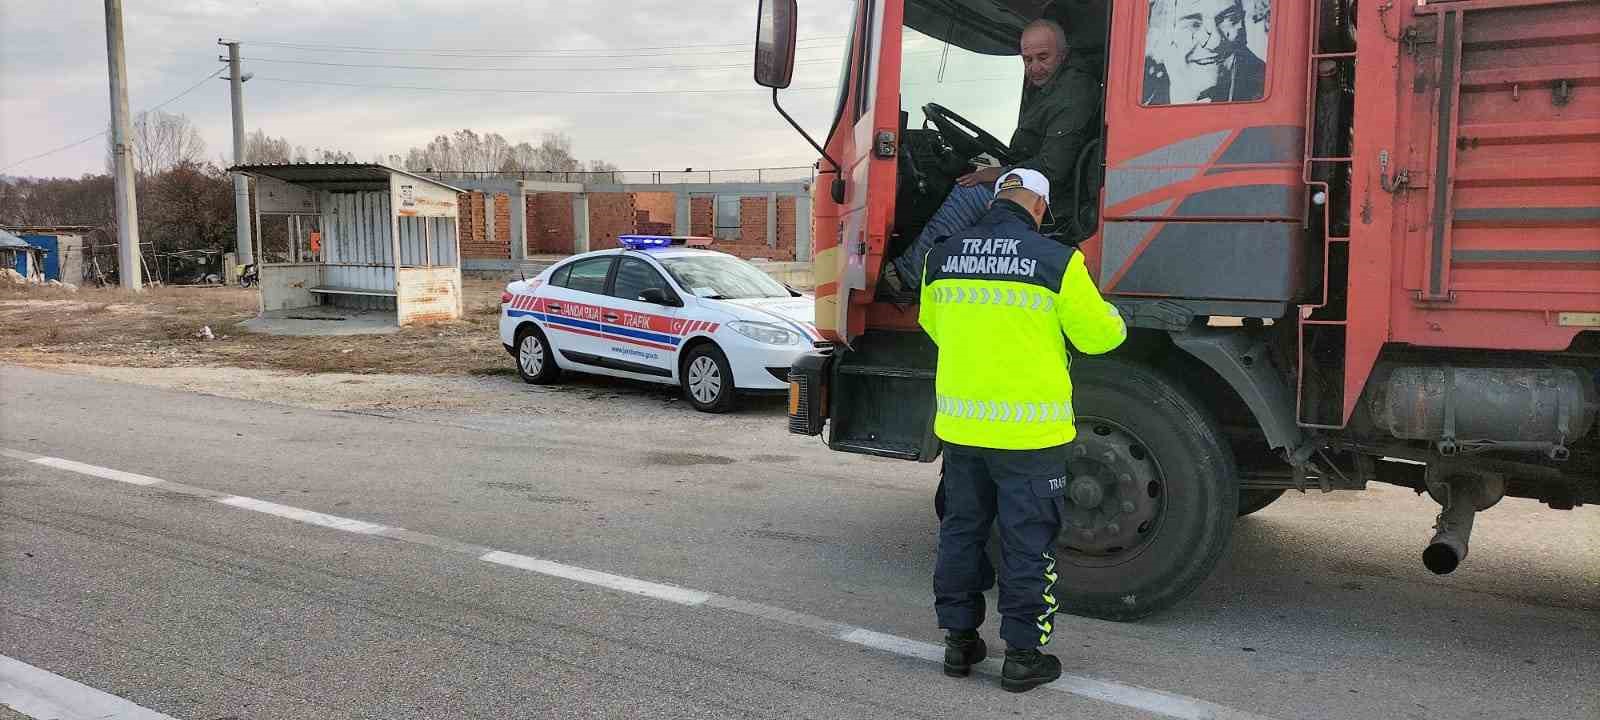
(241, 184)
(121, 153)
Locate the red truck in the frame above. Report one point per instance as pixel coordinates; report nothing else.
(1355, 241)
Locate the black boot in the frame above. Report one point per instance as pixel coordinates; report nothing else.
(1026, 669)
(962, 650)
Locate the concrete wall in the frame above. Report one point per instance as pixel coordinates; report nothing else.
(284, 287)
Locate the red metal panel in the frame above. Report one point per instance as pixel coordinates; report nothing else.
(1374, 222)
(1523, 207)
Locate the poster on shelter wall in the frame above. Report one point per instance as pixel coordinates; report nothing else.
(276, 197)
(413, 198)
(1203, 51)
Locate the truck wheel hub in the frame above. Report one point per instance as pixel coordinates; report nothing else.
(1116, 497)
(1086, 492)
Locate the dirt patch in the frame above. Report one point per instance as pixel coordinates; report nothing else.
(158, 329)
(322, 391)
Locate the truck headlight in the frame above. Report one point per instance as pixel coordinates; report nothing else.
(765, 332)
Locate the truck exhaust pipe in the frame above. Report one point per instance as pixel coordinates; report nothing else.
(1449, 545)
(1462, 496)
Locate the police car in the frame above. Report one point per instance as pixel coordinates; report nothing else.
(659, 309)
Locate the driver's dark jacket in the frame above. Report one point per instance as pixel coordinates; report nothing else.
(1054, 123)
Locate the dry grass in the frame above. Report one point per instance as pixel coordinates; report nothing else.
(157, 328)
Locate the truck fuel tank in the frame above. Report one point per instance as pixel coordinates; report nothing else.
(1542, 409)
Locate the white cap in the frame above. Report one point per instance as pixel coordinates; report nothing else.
(1031, 180)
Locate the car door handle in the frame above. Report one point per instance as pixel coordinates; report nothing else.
(553, 306)
(610, 318)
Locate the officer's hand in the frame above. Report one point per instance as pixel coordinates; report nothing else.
(984, 176)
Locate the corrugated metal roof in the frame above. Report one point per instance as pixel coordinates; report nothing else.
(335, 176)
(7, 240)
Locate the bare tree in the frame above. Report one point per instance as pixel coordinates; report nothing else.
(162, 140)
(468, 151)
(554, 154)
(260, 147)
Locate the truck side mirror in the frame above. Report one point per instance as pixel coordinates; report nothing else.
(775, 33)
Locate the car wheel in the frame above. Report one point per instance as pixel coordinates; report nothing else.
(1154, 493)
(535, 361)
(1254, 500)
(708, 380)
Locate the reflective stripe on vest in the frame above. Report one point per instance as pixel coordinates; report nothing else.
(1025, 299)
(1002, 411)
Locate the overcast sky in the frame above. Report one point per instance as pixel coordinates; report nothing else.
(53, 82)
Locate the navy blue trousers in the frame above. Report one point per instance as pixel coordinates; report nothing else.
(1022, 491)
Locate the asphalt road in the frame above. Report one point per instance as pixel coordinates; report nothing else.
(662, 563)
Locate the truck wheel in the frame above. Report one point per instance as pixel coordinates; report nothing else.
(1252, 500)
(1154, 493)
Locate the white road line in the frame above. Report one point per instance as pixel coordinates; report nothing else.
(46, 695)
(894, 644)
(97, 471)
(1152, 701)
(310, 517)
(670, 593)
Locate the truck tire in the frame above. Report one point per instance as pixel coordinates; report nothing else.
(1254, 500)
(1150, 509)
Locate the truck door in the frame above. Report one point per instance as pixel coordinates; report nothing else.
(1204, 203)
(850, 253)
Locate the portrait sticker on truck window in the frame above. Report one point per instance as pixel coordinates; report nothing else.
(1202, 51)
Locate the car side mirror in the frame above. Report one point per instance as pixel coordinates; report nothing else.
(775, 33)
(659, 296)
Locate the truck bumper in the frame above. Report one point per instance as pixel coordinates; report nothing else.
(808, 393)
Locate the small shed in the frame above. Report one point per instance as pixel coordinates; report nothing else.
(16, 254)
(63, 248)
(363, 236)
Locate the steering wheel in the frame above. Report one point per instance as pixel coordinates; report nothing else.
(968, 139)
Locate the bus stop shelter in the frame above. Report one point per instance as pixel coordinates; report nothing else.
(363, 237)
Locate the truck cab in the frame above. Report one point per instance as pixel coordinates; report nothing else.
(1327, 225)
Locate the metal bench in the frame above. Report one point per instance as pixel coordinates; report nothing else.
(330, 290)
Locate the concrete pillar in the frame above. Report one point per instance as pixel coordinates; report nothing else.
(772, 220)
(802, 228)
(519, 225)
(489, 200)
(580, 222)
(681, 214)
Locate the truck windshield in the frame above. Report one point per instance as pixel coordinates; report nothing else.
(722, 277)
(986, 89)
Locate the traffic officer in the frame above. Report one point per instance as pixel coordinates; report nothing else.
(996, 299)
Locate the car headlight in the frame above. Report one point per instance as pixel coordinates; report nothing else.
(765, 332)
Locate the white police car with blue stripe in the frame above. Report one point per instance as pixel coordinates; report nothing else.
(662, 310)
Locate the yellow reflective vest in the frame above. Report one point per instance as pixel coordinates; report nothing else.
(997, 299)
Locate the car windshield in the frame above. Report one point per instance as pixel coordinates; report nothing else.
(722, 277)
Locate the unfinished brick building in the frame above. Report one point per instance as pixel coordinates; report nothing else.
(751, 220)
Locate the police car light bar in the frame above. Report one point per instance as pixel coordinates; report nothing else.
(642, 242)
